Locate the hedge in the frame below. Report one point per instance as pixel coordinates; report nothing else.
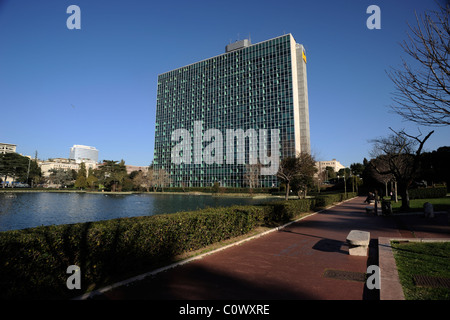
(426, 193)
(33, 262)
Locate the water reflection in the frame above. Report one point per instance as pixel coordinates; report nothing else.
(31, 209)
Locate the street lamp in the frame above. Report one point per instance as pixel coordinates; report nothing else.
(345, 186)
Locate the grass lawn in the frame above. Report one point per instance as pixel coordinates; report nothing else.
(439, 204)
(426, 259)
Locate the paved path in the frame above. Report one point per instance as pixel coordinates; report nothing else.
(306, 260)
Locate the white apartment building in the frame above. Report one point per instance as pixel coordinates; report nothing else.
(65, 164)
(336, 165)
(7, 148)
(57, 163)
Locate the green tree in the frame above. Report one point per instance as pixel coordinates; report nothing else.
(304, 180)
(34, 174)
(331, 174)
(92, 180)
(113, 174)
(297, 172)
(81, 181)
(15, 166)
(60, 177)
(357, 169)
(435, 166)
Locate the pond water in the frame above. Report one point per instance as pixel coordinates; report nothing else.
(31, 209)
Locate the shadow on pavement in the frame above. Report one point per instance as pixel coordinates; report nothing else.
(198, 283)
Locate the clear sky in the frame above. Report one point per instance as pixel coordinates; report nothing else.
(97, 86)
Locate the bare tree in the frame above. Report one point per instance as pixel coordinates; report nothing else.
(423, 93)
(398, 155)
(162, 178)
(382, 165)
(144, 179)
(251, 176)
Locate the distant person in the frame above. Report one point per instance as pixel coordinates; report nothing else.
(370, 198)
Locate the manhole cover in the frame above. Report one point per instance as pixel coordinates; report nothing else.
(433, 282)
(345, 275)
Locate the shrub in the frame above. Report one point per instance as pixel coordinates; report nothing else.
(284, 211)
(323, 201)
(34, 261)
(426, 193)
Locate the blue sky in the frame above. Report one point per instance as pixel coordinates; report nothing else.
(97, 86)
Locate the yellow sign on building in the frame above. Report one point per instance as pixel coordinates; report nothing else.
(304, 56)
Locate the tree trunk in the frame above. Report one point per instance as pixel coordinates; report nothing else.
(386, 189)
(396, 192)
(287, 191)
(405, 197)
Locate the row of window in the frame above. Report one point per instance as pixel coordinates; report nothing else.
(265, 49)
(247, 88)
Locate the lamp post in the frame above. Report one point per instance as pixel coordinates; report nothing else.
(345, 186)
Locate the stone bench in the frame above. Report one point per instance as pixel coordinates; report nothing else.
(358, 242)
(370, 209)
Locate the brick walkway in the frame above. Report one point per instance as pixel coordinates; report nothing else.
(306, 260)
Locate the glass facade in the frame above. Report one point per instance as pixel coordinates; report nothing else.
(254, 87)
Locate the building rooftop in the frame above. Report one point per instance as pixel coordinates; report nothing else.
(242, 44)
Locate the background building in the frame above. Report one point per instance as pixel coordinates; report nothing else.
(260, 86)
(65, 164)
(57, 163)
(82, 153)
(336, 165)
(7, 148)
(131, 168)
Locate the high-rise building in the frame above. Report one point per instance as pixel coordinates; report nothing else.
(82, 153)
(214, 117)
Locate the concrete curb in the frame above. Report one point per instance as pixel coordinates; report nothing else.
(390, 287)
(171, 266)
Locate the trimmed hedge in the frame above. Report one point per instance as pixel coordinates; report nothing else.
(33, 262)
(426, 193)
